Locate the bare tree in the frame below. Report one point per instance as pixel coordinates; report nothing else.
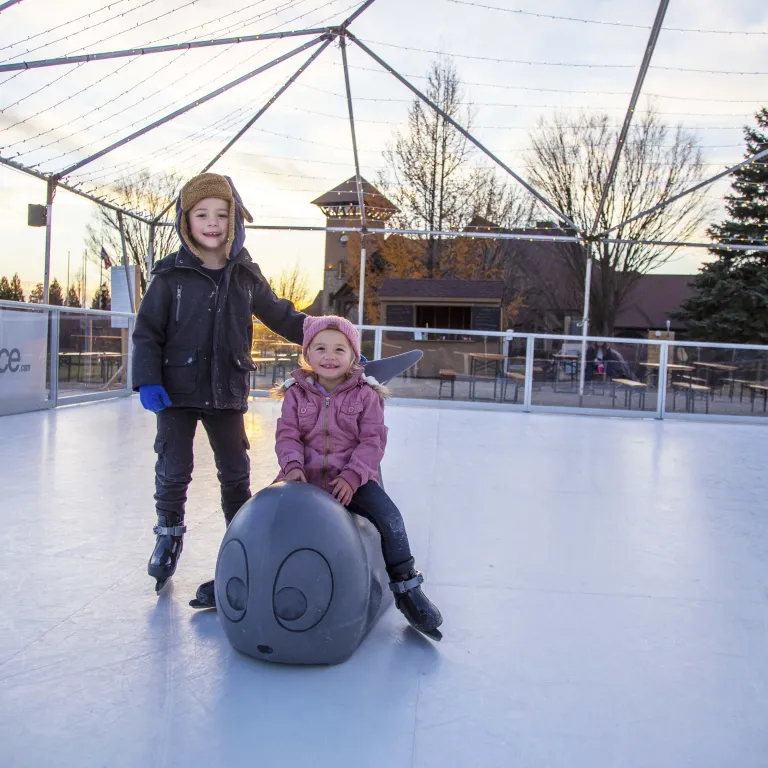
(429, 177)
(292, 284)
(146, 192)
(569, 162)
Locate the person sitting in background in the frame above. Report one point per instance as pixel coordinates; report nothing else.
(604, 359)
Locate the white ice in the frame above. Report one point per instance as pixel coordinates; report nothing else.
(604, 584)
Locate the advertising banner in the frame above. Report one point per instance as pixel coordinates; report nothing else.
(23, 351)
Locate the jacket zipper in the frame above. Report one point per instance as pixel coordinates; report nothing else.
(327, 444)
(178, 302)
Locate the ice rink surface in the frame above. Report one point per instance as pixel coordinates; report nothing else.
(604, 585)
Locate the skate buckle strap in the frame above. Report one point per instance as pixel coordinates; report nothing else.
(401, 587)
(176, 530)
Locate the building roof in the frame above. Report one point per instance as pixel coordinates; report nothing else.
(424, 288)
(346, 194)
(650, 300)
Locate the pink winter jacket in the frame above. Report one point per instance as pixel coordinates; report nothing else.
(330, 436)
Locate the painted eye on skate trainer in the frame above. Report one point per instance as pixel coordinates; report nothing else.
(232, 575)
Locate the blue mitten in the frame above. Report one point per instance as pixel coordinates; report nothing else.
(153, 397)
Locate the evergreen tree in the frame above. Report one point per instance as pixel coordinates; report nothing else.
(55, 294)
(73, 300)
(730, 303)
(36, 294)
(102, 299)
(5, 288)
(17, 292)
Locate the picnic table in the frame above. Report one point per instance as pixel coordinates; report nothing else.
(671, 368)
(485, 365)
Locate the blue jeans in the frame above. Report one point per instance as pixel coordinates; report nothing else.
(371, 502)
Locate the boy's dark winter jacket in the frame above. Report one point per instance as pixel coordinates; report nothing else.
(194, 337)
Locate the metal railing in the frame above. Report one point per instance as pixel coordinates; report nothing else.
(87, 356)
(47, 343)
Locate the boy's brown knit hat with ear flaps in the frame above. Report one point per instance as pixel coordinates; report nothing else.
(199, 188)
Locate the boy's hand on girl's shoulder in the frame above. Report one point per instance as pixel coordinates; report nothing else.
(342, 491)
(297, 475)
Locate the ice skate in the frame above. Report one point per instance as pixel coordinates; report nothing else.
(165, 556)
(205, 597)
(420, 612)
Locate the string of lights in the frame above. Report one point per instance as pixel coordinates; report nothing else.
(58, 104)
(580, 92)
(576, 65)
(626, 25)
(64, 24)
(597, 107)
(77, 131)
(142, 24)
(42, 88)
(70, 35)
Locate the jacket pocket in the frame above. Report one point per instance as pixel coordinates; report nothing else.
(307, 413)
(180, 371)
(240, 376)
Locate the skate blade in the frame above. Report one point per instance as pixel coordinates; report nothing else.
(159, 585)
(199, 604)
(434, 634)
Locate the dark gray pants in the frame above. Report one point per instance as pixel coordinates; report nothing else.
(371, 502)
(173, 469)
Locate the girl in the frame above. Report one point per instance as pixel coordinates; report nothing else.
(192, 354)
(331, 433)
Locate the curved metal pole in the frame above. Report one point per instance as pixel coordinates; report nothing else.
(359, 183)
(649, 49)
(86, 57)
(49, 195)
(8, 4)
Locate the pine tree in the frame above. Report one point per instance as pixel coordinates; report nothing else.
(102, 299)
(36, 294)
(73, 300)
(5, 289)
(55, 294)
(17, 292)
(730, 303)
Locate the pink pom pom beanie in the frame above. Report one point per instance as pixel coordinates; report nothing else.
(313, 326)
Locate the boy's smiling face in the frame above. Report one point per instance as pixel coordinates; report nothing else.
(209, 224)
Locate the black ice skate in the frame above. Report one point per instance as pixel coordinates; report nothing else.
(165, 556)
(421, 613)
(205, 597)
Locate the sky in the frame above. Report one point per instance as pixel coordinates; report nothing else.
(516, 61)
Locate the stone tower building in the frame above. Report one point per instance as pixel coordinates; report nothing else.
(341, 209)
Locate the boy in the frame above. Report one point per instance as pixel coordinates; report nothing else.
(192, 354)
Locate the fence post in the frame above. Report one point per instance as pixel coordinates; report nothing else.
(53, 362)
(529, 361)
(377, 337)
(662, 404)
(129, 360)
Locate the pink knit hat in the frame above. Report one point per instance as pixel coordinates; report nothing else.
(313, 326)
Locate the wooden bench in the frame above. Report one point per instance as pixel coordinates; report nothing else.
(519, 381)
(753, 390)
(447, 376)
(691, 390)
(630, 386)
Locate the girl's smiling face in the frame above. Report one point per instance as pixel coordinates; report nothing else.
(330, 356)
